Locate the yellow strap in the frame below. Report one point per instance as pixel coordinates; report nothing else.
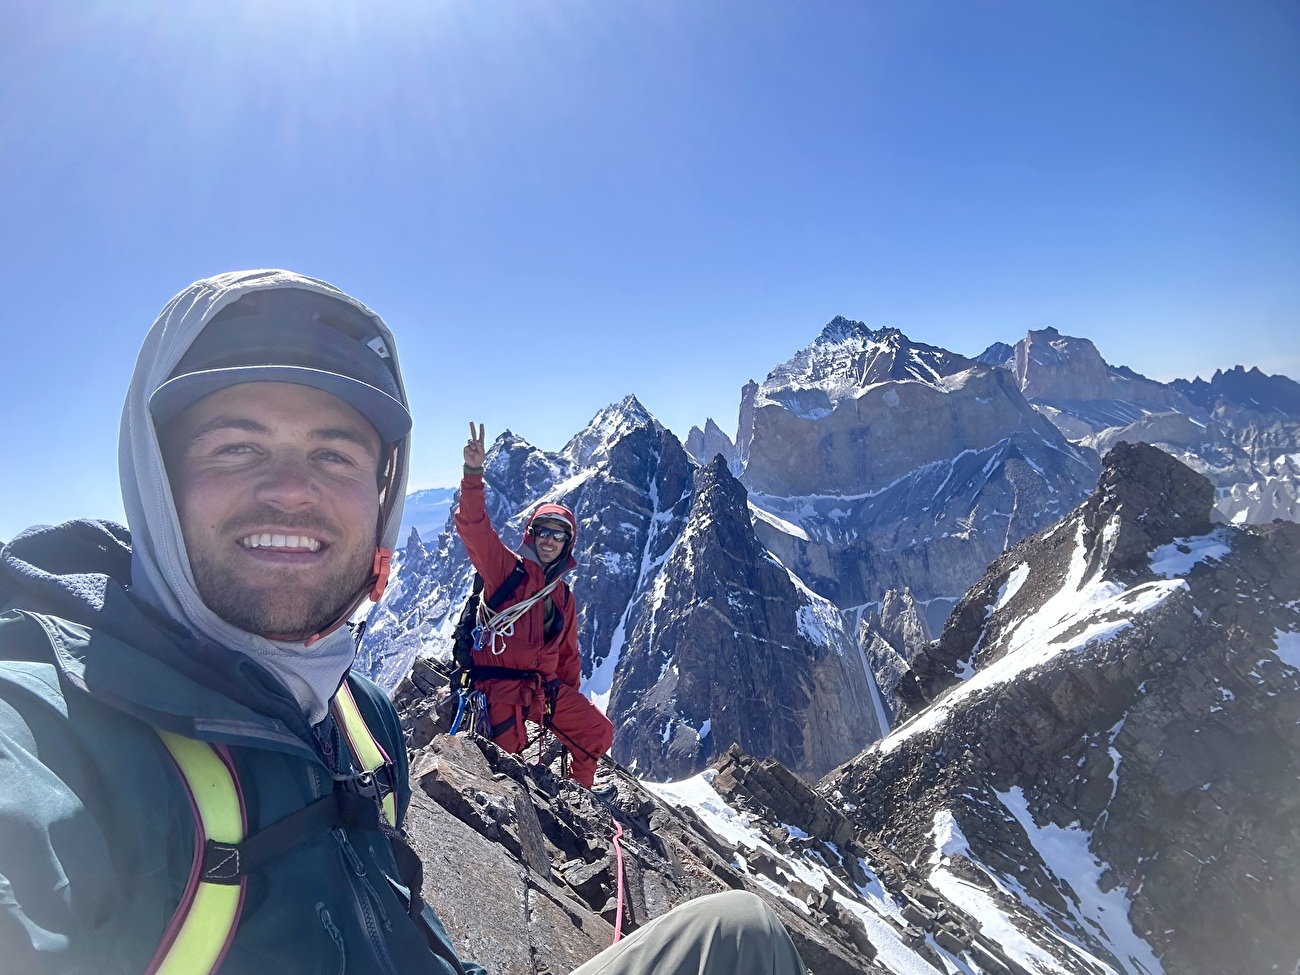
(213, 912)
(365, 749)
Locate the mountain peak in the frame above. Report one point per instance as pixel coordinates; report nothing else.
(840, 330)
(606, 428)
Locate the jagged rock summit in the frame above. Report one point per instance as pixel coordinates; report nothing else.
(685, 623)
(704, 445)
(730, 646)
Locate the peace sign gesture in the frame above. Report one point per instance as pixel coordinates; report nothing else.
(474, 449)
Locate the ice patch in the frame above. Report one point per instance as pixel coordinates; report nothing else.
(1008, 589)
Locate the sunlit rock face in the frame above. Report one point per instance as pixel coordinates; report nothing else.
(704, 445)
(1241, 429)
(875, 463)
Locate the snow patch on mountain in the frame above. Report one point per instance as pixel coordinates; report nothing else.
(950, 843)
(845, 361)
(780, 524)
(1065, 851)
(1008, 589)
(1081, 611)
(1287, 647)
(1177, 558)
(870, 904)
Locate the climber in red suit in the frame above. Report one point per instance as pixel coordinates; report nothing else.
(536, 662)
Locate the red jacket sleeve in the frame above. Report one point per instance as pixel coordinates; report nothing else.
(491, 558)
(569, 667)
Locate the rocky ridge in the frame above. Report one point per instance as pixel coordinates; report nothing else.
(1113, 742)
(1104, 782)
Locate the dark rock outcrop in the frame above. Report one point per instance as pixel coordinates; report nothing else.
(728, 646)
(522, 870)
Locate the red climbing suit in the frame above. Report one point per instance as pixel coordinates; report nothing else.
(576, 721)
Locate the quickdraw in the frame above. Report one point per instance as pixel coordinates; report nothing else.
(473, 704)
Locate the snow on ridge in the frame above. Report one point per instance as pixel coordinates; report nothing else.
(611, 424)
(871, 905)
(994, 922)
(1065, 852)
(835, 366)
(1178, 558)
(780, 524)
(1080, 612)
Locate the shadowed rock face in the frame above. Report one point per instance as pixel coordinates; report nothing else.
(891, 640)
(728, 646)
(1126, 685)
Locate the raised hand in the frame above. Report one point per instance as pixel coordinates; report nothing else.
(474, 449)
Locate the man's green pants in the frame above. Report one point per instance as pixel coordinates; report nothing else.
(733, 933)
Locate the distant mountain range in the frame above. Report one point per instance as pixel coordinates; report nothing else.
(871, 482)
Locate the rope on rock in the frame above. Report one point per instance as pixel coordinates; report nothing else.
(618, 852)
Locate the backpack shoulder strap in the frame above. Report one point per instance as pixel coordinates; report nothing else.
(203, 926)
(366, 751)
(507, 588)
(200, 932)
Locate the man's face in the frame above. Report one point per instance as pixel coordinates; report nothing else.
(278, 498)
(547, 546)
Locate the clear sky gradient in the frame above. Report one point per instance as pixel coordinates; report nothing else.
(555, 203)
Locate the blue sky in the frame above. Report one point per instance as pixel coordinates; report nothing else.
(558, 203)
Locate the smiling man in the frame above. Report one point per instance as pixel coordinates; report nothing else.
(193, 778)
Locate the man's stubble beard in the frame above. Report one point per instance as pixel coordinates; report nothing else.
(292, 610)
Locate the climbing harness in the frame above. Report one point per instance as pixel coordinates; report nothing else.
(203, 926)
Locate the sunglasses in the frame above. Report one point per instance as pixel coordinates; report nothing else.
(559, 534)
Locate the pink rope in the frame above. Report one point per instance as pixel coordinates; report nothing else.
(618, 851)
